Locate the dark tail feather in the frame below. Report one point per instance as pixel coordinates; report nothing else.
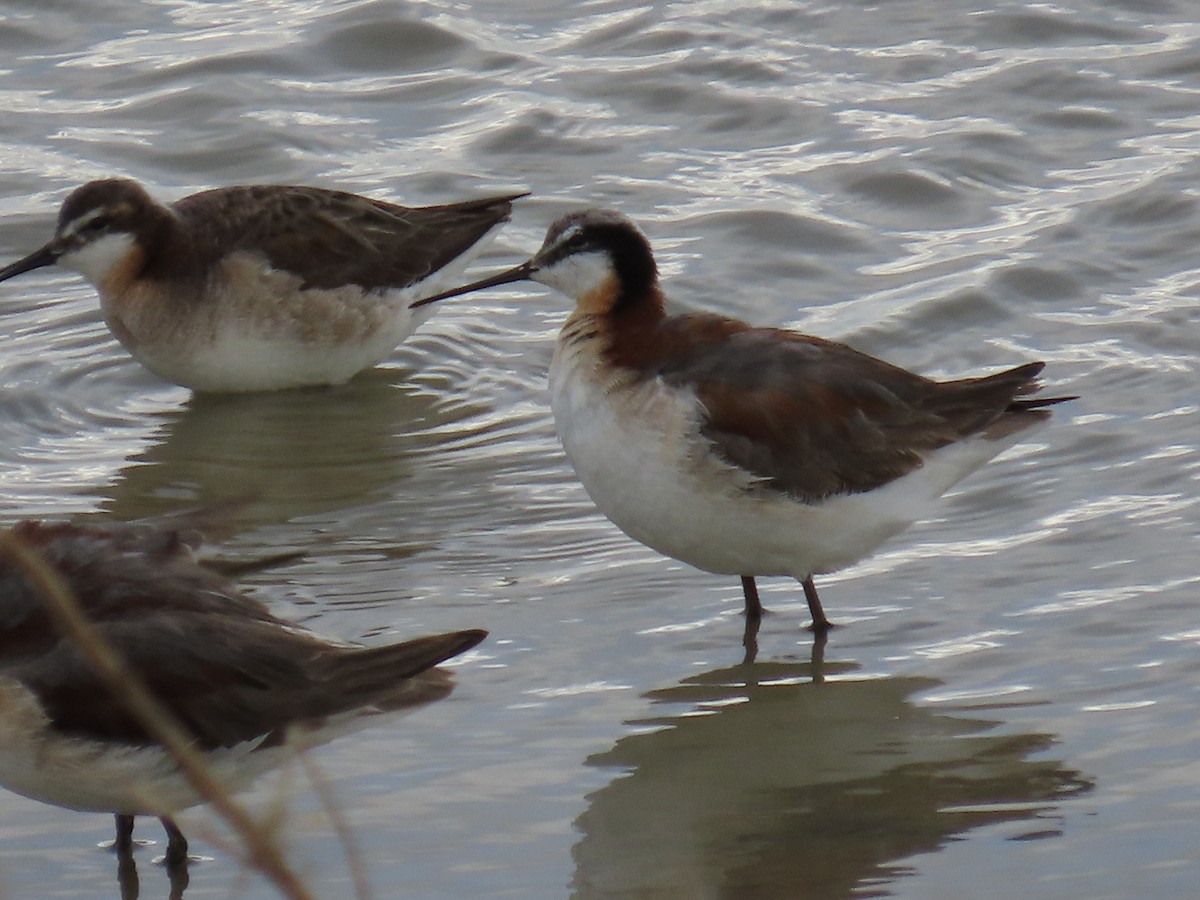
(501, 205)
(997, 405)
(1038, 402)
(1022, 411)
(236, 568)
(415, 656)
(454, 229)
(1027, 382)
(362, 672)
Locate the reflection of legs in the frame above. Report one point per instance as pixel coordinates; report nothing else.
(754, 612)
(820, 624)
(754, 608)
(817, 660)
(127, 876)
(177, 845)
(750, 639)
(179, 878)
(816, 665)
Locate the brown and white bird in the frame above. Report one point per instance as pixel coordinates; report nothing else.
(261, 287)
(743, 450)
(248, 688)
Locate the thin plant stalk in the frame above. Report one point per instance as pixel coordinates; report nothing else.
(345, 836)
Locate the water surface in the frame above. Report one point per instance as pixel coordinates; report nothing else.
(1009, 707)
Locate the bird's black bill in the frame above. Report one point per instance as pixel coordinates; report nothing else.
(523, 272)
(47, 256)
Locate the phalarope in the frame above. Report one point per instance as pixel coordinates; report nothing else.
(249, 687)
(261, 287)
(742, 450)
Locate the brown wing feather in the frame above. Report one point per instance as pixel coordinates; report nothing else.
(227, 680)
(813, 418)
(332, 238)
(227, 668)
(114, 571)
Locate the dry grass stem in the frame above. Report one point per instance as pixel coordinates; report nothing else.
(354, 860)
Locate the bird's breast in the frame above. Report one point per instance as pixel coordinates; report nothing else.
(242, 325)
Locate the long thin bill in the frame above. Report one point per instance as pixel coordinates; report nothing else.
(520, 273)
(35, 260)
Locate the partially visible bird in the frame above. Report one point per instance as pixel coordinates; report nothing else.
(743, 450)
(261, 287)
(248, 687)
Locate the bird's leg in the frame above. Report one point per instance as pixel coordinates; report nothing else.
(123, 843)
(820, 624)
(177, 845)
(754, 608)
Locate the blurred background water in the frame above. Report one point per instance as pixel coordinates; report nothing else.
(1009, 709)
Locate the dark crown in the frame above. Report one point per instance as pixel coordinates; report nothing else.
(609, 232)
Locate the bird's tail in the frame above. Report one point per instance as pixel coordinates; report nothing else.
(1022, 410)
(386, 673)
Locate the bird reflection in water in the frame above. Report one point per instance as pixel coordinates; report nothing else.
(328, 449)
(793, 779)
(130, 885)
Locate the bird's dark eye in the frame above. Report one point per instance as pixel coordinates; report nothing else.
(96, 225)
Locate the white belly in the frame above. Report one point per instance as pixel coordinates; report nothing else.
(76, 773)
(256, 329)
(638, 451)
(307, 344)
(91, 775)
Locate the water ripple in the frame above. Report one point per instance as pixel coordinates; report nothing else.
(952, 188)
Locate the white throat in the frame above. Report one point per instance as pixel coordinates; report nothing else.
(577, 275)
(97, 259)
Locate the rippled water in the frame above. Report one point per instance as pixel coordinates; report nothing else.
(1009, 709)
